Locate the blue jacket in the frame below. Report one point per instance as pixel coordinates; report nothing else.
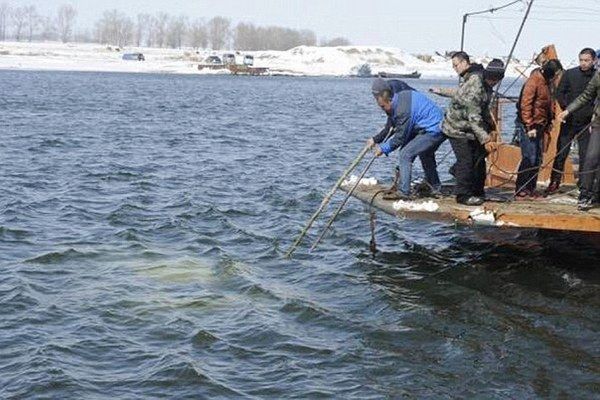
(413, 113)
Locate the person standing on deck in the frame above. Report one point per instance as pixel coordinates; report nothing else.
(590, 179)
(572, 84)
(468, 122)
(416, 121)
(534, 118)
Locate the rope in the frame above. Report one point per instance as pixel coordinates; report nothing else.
(566, 146)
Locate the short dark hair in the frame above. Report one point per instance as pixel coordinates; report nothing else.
(385, 94)
(461, 55)
(590, 51)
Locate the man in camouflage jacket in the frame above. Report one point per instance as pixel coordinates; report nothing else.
(467, 124)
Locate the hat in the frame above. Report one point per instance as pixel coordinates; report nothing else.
(494, 69)
(379, 86)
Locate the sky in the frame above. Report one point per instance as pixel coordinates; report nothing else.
(415, 26)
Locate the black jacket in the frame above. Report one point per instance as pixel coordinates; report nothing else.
(572, 84)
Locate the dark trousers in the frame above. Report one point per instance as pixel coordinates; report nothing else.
(469, 168)
(567, 133)
(531, 158)
(590, 173)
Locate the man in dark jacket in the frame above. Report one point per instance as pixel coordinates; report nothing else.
(534, 117)
(467, 123)
(590, 181)
(572, 84)
(416, 121)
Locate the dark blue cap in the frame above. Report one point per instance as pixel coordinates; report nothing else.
(379, 86)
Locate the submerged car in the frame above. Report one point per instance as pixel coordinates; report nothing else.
(134, 57)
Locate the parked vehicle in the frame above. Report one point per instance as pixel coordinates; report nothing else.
(214, 60)
(134, 57)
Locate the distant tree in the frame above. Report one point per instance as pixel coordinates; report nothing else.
(143, 29)
(245, 37)
(5, 12)
(19, 20)
(176, 31)
(338, 41)
(308, 38)
(160, 28)
(84, 36)
(114, 28)
(219, 32)
(198, 34)
(249, 37)
(48, 31)
(65, 21)
(33, 21)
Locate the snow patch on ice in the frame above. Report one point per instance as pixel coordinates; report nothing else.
(480, 216)
(363, 182)
(428, 205)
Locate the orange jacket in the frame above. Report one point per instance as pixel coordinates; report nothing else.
(535, 102)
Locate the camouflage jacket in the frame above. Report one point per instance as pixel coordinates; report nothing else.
(467, 115)
(591, 93)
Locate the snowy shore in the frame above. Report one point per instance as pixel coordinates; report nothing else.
(301, 61)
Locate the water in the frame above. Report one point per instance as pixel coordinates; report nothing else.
(142, 222)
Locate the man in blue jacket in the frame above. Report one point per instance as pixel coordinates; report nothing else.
(416, 121)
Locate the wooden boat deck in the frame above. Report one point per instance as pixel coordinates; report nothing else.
(556, 212)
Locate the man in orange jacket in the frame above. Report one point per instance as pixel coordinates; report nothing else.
(534, 117)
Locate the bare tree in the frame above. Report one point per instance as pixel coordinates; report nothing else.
(308, 38)
(219, 32)
(65, 21)
(176, 31)
(338, 41)
(33, 21)
(5, 12)
(114, 28)
(19, 19)
(142, 28)
(49, 31)
(198, 34)
(160, 28)
(245, 37)
(249, 37)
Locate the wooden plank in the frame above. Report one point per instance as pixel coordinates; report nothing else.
(538, 214)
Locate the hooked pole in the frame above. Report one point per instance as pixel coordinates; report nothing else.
(326, 199)
(489, 10)
(341, 206)
(512, 50)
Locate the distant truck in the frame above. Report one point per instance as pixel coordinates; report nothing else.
(248, 60)
(134, 57)
(228, 59)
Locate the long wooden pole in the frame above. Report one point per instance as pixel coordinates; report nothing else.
(327, 198)
(335, 214)
(339, 209)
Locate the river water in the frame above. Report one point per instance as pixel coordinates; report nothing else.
(142, 224)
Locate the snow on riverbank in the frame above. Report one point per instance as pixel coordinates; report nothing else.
(303, 60)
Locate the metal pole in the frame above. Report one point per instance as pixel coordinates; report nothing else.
(514, 45)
